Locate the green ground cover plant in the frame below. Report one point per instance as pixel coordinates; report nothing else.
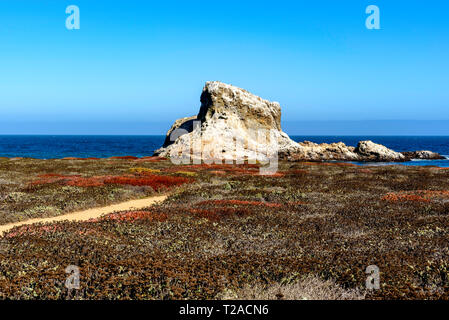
(225, 232)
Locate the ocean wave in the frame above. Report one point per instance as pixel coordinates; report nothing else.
(446, 157)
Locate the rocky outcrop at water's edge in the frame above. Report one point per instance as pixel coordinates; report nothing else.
(229, 114)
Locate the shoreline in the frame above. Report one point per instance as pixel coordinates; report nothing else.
(408, 163)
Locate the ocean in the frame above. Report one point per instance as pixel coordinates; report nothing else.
(50, 147)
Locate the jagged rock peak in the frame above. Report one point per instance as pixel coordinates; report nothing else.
(228, 113)
(220, 100)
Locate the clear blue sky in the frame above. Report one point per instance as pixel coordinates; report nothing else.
(147, 61)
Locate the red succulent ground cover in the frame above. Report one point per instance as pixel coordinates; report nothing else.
(157, 182)
(417, 195)
(214, 166)
(216, 210)
(151, 159)
(33, 230)
(124, 158)
(143, 159)
(75, 158)
(335, 164)
(70, 180)
(222, 169)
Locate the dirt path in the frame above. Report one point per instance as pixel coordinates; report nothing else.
(89, 213)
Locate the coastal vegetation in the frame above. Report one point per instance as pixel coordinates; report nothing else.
(225, 231)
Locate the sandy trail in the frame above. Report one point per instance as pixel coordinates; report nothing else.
(89, 213)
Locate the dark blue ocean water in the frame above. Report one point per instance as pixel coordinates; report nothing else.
(49, 147)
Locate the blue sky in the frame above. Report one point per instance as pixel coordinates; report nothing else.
(145, 62)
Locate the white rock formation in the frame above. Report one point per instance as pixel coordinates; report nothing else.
(233, 124)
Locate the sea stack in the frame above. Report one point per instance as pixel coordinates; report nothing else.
(229, 113)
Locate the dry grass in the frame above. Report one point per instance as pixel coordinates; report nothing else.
(309, 288)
